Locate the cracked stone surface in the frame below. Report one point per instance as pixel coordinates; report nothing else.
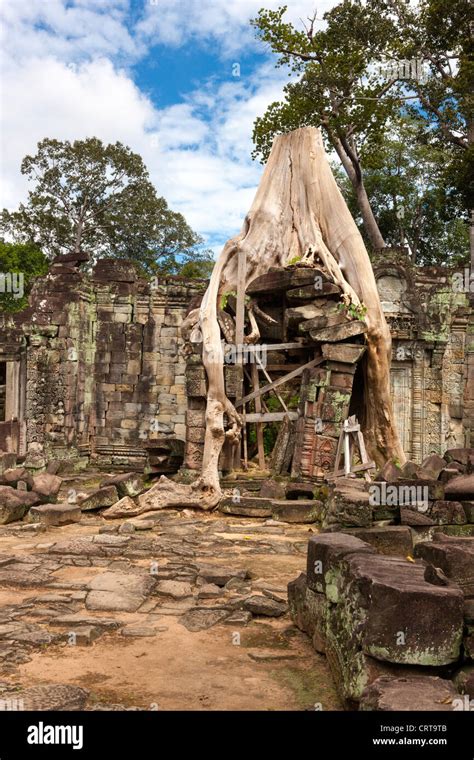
(93, 617)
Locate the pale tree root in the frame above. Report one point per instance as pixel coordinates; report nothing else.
(298, 211)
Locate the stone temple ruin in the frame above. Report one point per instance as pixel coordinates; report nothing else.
(103, 390)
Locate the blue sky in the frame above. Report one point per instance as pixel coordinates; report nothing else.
(154, 74)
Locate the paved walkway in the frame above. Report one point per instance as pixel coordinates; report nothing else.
(175, 610)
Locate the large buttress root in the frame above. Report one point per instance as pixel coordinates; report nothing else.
(298, 211)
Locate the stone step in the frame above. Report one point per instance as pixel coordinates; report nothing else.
(297, 511)
(247, 506)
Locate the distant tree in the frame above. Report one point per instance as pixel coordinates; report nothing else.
(20, 263)
(98, 199)
(198, 268)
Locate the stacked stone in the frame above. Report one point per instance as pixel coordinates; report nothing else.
(384, 623)
(437, 496)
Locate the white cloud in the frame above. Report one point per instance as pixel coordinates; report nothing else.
(64, 76)
(176, 22)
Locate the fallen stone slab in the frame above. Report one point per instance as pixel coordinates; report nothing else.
(47, 486)
(220, 575)
(175, 589)
(17, 475)
(55, 514)
(411, 516)
(400, 617)
(125, 507)
(200, 620)
(325, 551)
(460, 488)
(118, 591)
(445, 512)
(103, 497)
(297, 511)
(463, 456)
(239, 617)
(263, 605)
(209, 591)
(455, 557)
(347, 507)
(432, 466)
(394, 540)
(389, 473)
(138, 631)
(15, 504)
(75, 620)
(308, 610)
(24, 574)
(247, 506)
(48, 697)
(84, 636)
(412, 694)
(127, 484)
(272, 489)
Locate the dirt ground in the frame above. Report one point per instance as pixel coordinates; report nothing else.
(158, 662)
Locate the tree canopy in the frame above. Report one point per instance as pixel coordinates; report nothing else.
(372, 68)
(18, 260)
(98, 199)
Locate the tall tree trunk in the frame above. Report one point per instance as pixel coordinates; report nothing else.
(298, 208)
(354, 174)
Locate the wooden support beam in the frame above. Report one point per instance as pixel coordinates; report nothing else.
(270, 416)
(280, 381)
(249, 348)
(271, 383)
(258, 410)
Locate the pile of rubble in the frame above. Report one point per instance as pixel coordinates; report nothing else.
(398, 633)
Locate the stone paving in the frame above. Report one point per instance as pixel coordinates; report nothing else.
(175, 610)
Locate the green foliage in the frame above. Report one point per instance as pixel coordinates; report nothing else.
(225, 298)
(410, 188)
(293, 260)
(355, 311)
(99, 199)
(21, 259)
(402, 138)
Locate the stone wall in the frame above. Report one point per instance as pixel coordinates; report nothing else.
(428, 319)
(104, 372)
(95, 366)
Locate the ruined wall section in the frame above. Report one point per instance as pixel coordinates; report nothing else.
(104, 366)
(428, 319)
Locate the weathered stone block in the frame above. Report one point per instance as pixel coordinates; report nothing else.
(127, 484)
(103, 497)
(55, 514)
(393, 540)
(325, 551)
(297, 511)
(455, 557)
(414, 694)
(47, 486)
(248, 506)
